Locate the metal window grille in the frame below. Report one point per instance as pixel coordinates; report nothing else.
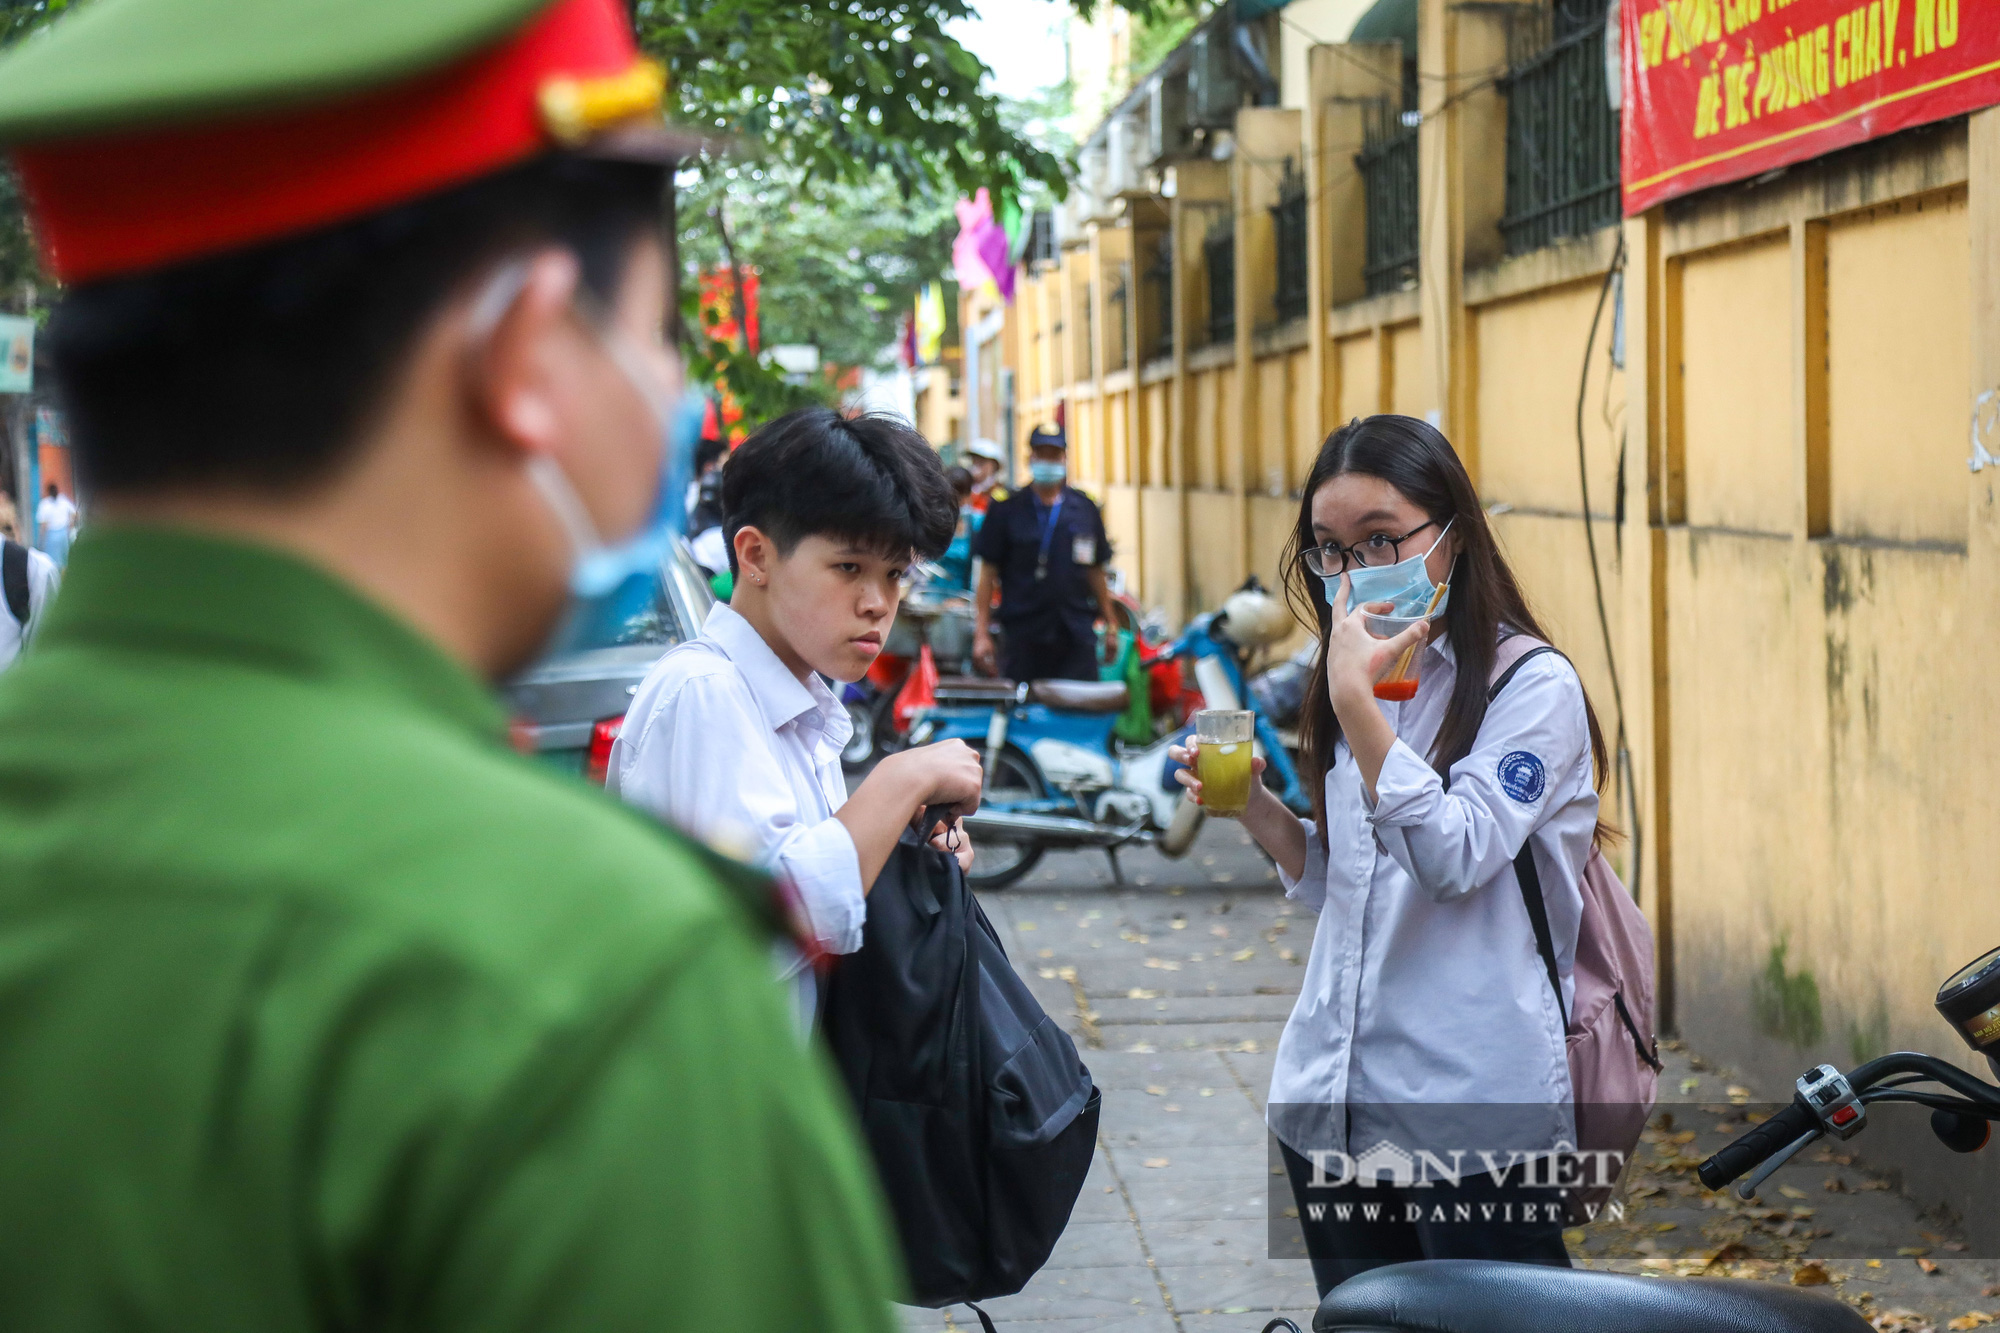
(1562, 136)
(1388, 164)
(1288, 218)
(1218, 250)
(1042, 238)
(1117, 319)
(1160, 273)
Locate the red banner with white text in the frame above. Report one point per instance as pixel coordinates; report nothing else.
(1721, 90)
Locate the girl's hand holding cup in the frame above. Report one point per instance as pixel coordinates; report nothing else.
(1190, 755)
(1355, 658)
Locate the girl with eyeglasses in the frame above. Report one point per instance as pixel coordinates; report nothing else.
(1427, 1035)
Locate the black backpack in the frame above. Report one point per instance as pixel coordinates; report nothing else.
(14, 578)
(981, 1118)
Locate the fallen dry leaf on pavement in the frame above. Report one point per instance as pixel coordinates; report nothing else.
(1928, 1267)
(1811, 1273)
(1155, 1090)
(1970, 1319)
(1138, 993)
(1791, 1192)
(1243, 955)
(1902, 1321)
(1158, 1161)
(1163, 965)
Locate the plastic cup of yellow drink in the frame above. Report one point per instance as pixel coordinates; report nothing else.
(1222, 761)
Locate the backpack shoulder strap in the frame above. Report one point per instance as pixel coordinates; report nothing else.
(1500, 682)
(14, 574)
(1530, 880)
(1525, 873)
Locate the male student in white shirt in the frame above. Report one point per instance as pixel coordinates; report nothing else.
(29, 579)
(734, 736)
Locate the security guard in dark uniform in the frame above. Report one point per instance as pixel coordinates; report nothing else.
(325, 1008)
(1045, 550)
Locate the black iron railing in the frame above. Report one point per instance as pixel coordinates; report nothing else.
(1160, 274)
(1218, 251)
(1288, 220)
(1562, 135)
(1388, 164)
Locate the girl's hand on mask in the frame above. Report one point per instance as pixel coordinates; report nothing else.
(1355, 658)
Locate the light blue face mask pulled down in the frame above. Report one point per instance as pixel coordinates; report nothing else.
(611, 584)
(1405, 585)
(1047, 474)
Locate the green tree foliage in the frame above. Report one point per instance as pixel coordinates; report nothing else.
(839, 264)
(842, 90)
(19, 272)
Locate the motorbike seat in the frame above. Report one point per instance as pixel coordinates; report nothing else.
(1080, 696)
(1487, 1296)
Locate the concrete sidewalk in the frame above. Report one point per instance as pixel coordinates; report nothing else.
(1176, 987)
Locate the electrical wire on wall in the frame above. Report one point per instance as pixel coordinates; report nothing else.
(1624, 752)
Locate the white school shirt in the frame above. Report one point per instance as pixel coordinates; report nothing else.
(726, 744)
(1424, 986)
(43, 579)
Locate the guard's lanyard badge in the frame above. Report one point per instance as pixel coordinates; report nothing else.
(1048, 535)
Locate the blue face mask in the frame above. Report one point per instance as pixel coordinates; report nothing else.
(1047, 474)
(611, 584)
(1406, 585)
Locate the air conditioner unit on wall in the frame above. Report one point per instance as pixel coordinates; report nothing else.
(1123, 167)
(1215, 87)
(1093, 165)
(1167, 117)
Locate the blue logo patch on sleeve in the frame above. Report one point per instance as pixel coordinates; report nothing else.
(1522, 777)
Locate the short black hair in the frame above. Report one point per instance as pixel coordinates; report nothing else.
(960, 479)
(259, 368)
(871, 480)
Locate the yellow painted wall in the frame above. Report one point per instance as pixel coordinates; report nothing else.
(1409, 390)
(1161, 563)
(1360, 371)
(1737, 387)
(1215, 540)
(1205, 430)
(1531, 351)
(1898, 327)
(1274, 423)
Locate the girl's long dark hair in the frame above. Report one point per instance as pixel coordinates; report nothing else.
(1415, 458)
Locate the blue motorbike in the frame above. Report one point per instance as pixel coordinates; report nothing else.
(1057, 778)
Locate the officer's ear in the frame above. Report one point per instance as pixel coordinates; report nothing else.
(755, 554)
(516, 329)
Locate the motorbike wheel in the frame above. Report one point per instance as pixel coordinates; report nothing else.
(860, 748)
(995, 865)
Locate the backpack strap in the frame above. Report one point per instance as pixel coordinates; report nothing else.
(1525, 874)
(1530, 881)
(14, 575)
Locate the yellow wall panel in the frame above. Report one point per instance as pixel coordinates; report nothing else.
(1215, 547)
(1530, 353)
(1409, 392)
(1162, 560)
(1360, 378)
(1202, 433)
(1155, 459)
(1736, 350)
(1898, 322)
(1121, 524)
(1303, 444)
(1273, 418)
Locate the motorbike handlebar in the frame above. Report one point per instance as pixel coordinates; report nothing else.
(1981, 1098)
(1745, 1153)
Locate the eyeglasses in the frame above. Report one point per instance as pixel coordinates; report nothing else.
(1333, 559)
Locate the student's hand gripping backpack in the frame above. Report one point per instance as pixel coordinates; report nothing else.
(1614, 1062)
(981, 1117)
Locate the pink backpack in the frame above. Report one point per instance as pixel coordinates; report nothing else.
(1614, 1062)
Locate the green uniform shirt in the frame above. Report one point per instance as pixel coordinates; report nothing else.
(320, 1009)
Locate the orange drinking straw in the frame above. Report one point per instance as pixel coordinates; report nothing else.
(1395, 686)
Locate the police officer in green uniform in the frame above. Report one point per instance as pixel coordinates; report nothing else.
(319, 1007)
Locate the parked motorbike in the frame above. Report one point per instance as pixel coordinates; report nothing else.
(1058, 779)
(1469, 1296)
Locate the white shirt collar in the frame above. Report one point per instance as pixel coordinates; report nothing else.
(780, 695)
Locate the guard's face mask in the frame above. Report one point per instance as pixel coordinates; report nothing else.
(1047, 474)
(1405, 585)
(611, 584)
